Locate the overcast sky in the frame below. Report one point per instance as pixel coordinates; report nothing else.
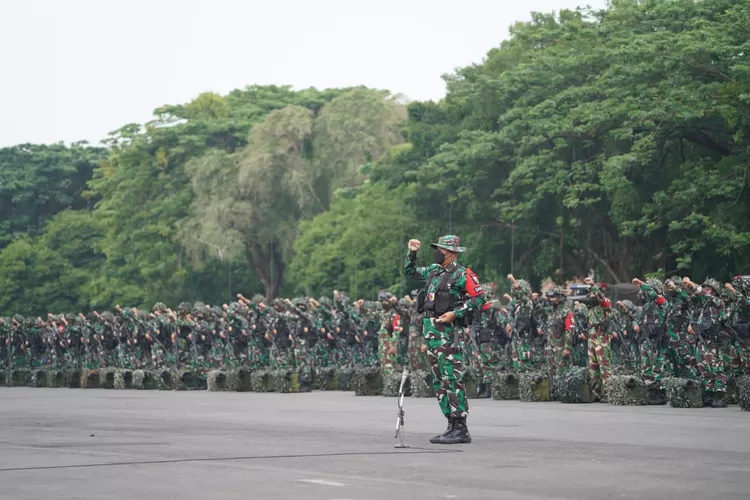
(78, 69)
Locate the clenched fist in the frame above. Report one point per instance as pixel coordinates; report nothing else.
(414, 245)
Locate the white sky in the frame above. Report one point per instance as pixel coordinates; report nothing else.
(78, 69)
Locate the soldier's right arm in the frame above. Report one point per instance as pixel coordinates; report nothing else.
(412, 270)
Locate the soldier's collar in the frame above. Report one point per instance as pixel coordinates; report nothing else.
(450, 267)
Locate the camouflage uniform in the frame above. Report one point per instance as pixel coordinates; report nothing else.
(456, 288)
(600, 361)
(712, 345)
(561, 329)
(652, 328)
(521, 308)
(625, 349)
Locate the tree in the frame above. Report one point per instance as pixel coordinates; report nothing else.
(254, 200)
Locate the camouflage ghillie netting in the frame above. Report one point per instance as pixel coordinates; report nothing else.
(743, 392)
(165, 380)
(240, 380)
(326, 379)
(392, 383)
(505, 386)
(421, 384)
(573, 386)
(262, 381)
(534, 387)
(345, 377)
(107, 378)
(90, 379)
(188, 380)
(683, 393)
(123, 379)
(626, 390)
(144, 380)
(217, 380)
(38, 378)
(368, 382)
(285, 381)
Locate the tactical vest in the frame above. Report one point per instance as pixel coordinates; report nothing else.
(439, 301)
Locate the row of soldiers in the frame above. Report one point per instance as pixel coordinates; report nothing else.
(301, 334)
(675, 328)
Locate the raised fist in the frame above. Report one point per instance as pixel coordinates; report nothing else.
(414, 245)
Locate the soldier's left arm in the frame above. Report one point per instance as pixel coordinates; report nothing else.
(471, 294)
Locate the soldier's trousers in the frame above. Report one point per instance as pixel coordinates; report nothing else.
(713, 364)
(739, 359)
(446, 363)
(384, 345)
(304, 361)
(556, 362)
(681, 356)
(417, 359)
(654, 361)
(521, 354)
(600, 360)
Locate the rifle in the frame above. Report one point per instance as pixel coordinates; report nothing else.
(400, 414)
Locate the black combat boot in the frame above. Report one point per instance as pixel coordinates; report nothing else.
(451, 426)
(708, 398)
(484, 391)
(459, 435)
(304, 386)
(719, 400)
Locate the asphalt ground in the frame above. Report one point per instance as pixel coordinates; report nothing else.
(107, 444)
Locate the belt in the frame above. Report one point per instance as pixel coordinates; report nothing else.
(430, 314)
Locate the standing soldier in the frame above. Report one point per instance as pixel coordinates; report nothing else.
(561, 329)
(519, 327)
(600, 361)
(712, 345)
(452, 293)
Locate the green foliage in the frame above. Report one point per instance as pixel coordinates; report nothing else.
(38, 181)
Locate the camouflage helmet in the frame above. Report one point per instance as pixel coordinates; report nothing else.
(656, 285)
(300, 302)
(741, 284)
(160, 307)
(404, 303)
(524, 288)
(384, 295)
(184, 308)
(257, 298)
(19, 319)
(325, 302)
(712, 283)
(556, 291)
(627, 304)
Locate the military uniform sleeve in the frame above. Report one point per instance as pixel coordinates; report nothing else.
(468, 283)
(412, 270)
(570, 328)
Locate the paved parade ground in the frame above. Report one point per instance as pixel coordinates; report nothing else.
(107, 444)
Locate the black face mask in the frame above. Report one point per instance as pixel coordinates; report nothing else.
(439, 256)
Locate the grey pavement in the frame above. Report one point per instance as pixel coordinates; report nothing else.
(120, 445)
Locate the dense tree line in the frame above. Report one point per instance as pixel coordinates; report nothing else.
(614, 139)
